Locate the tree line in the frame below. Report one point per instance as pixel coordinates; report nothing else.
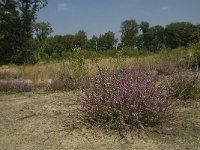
(23, 40)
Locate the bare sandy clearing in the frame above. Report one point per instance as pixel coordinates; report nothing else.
(39, 121)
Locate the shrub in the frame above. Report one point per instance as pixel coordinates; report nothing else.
(186, 57)
(166, 69)
(15, 86)
(77, 66)
(184, 85)
(194, 56)
(125, 98)
(62, 85)
(178, 56)
(128, 52)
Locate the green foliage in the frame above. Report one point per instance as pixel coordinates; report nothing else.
(129, 30)
(144, 26)
(80, 39)
(57, 45)
(183, 57)
(17, 19)
(93, 43)
(128, 52)
(9, 30)
(104, 42)
(78, 65)
(107, 41)
(55, 56)
(195, 37)
(42, 30)
(22, 40)
(194, 56)
(178, 34)
(75, 68)
(154, 38)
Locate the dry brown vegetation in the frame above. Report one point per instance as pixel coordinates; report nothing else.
(42, 72)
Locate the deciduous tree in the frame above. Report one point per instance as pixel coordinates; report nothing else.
(17, 19)
(129, 31)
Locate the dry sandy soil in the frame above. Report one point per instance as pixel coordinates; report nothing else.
(46, 121)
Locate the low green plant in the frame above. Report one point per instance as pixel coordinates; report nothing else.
(184, 57)
(193, 58)
(128, 52)
(75, 67)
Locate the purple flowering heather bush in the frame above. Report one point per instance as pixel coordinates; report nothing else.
(125, 98)
(15, 86)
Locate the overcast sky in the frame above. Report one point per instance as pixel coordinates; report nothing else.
(99, 16)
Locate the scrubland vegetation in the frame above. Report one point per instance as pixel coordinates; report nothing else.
(146, 85)
(146, 95)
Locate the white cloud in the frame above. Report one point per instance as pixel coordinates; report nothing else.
(62, 7)
(164, 8)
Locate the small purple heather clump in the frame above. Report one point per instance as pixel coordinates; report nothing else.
(126, 97)
(16, 86)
